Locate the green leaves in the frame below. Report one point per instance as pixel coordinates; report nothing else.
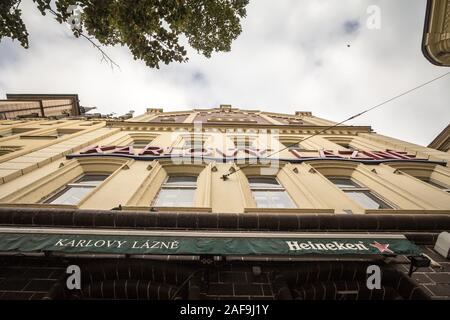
(11, 24)
(152, 29)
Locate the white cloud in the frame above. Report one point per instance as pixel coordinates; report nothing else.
(291, 55)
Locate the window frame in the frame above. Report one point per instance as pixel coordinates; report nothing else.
(193, 141)
(270, 188)
(75, 183)
(134, 142)
(360, 188)
(243, 141)
(293, 143)
(179, 186)
(425, 172)
(434, 183)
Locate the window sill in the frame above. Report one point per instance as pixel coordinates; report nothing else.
(38, 205)
(168, 209)
(288, 210)
(38, 137)
(405, 211)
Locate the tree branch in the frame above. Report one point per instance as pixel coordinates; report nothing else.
(105, 56)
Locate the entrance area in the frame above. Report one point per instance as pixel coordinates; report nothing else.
(144, 279)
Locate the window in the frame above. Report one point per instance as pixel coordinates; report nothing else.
(177, 191)
(74, 192)
(346, 145)
(359, 194)
(167, 119)
(22, 130)
(8, 149)
(435, 183)
(231, 119)
(194, 141)
(59, 133)
(293, 143)
(268, 193)
(136, 140)
(344, 142)
(6, 134)
(243, 141)
(140, 144)
(193, 144)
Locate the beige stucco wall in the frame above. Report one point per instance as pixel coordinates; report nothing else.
(40, 167)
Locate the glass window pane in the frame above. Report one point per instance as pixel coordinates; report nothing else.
(261, 199)
(280, 199)
(175, 198)
(263, 182)
(190, 144)
(6, 134)
(345, 145)
(70, 195)
(367, 200)
(344, 183)
(181, 181)
(272, 199)
(91, 179)
(243, 143)
(140, 144)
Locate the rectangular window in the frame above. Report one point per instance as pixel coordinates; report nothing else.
(362, 195)
(295, 146)
(177, 191)
(140, 144)
(268, 193)
(194, 141)
(6, 134)
(64, 132)
(8, 149)
(243, 141)
(74, 192)
(293, 143)
(193, 144)
(346, 145)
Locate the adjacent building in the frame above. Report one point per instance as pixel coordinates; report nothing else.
(442, 140)
(218, 203)
(436, 34)
(17, 106)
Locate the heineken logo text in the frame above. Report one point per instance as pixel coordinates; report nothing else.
(330, 246)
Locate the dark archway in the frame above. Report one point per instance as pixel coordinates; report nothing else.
(342, 281)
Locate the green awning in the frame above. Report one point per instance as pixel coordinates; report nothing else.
(196, 244)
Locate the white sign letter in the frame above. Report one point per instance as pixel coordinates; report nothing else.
(74, 280)
(374, 277)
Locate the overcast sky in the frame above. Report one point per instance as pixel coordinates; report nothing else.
(292, 55)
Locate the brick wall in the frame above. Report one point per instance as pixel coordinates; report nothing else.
(435, 280)
(237, 282)
(27, 280)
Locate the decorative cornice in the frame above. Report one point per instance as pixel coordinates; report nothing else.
(282, 129)
(436, 33)
(442, 141)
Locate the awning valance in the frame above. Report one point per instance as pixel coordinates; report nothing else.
(202, 243)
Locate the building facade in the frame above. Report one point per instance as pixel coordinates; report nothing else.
(41, 106)
(436, 34)
(442, 140)
(218, 203)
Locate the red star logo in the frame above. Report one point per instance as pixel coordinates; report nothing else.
(381, 247)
